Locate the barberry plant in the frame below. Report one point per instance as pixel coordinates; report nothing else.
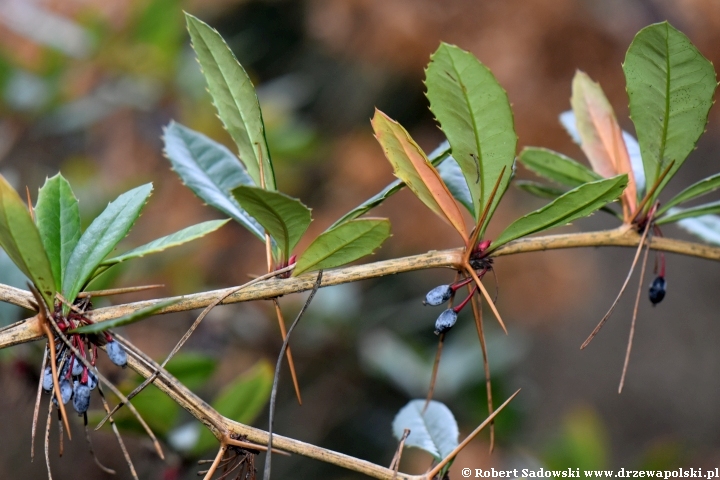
(670, 85)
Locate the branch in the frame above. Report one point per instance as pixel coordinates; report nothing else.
(29, 330)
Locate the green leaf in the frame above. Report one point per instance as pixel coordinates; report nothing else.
(241, 401)
(412, 166)
(20, 239)
(671, 86)
(433, 430)
(440, 154)
(546, 191)
(192, 369)
(557, 167)
(679, 213)
(475, 115)
(452, 175)
(704, 186)
(210, 170)
(173, 240)
(133, 317)
(283, 217)
(343, 244)
(101, 237)
(577, 203)
(235, 99)
(58, 219)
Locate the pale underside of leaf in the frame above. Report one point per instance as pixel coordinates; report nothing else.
(706, 227)
(432, 429)
(676, 214)
(698, 189)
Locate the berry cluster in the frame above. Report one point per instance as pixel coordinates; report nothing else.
(76, 380)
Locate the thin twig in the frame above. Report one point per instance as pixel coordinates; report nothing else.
(632, 323)
(128, 460)
(118, 291)
(462, 445)
(216, 462)
(291, 362)
(36, 410)
(273, 395)
(485, 293)
(477, 315)
(48, 422)
(436, 368)
(395, 464)
(92, 451)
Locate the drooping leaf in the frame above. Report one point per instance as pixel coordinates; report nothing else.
(412, 166)
(670, 85)
(235, 99)
(600, 135)
(437, 156)
(58, 219)
(546, 191)
(241, 401)
(679, 213)
(133, 317)
(343, 244)
(101, 237)
(210, 170)
(567, 120)
(174, 239)
(20, 239)
(475, 115)
(434, 430)
(452, 175)
(577, 203)
(557, 167)
(706, 227)
(283, 217)
(697, 189)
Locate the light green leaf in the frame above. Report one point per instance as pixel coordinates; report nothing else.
(235, 99)
(475, 115)
(192, 369)
(440, 154)
(546, 191)
(210, 170)
(680, 213)
(101, 237)
(557, 167)
(433, 430)
(704, 186)
(671, 86)
(133, 317)
(343, 244)
(58, 219)
(174, 239)
(283, 217)
(20, 239)
(241, 401)
(577, 203)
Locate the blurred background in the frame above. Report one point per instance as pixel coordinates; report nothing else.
(86, 88)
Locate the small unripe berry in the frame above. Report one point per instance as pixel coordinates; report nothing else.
(657, 290)
(445, 321)
(438, 295)
(81, 397)
(116, 353)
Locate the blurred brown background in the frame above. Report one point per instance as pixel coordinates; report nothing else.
(87, 86)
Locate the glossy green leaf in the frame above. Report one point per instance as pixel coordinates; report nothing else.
(577, 203)
(475, 115)
(557, 167)
(20, 239)
(698, 189)
(283, 217)
(343, 244)
(671, 86)
(235, 99)
(174, 239)
(58, 219)
(133, 317)
(546, 191)
(433, 429)
(436, 157)
(412, 166)
(101, 237)
(241, 401)
(210, 170)
(679, 213)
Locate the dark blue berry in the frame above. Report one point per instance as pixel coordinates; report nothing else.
(438, 295)
(445, 321)
(47, 384)
(657, 290)
(81, 397)
(77, 367)
(66, 391)
(116, 353)
(92, 380)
